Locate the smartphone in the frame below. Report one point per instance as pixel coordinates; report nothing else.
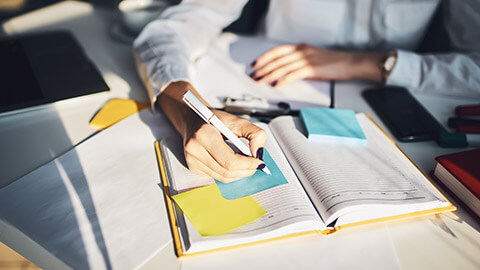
(406, 118)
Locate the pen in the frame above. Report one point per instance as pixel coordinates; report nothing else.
(332, 93)
(208, 116)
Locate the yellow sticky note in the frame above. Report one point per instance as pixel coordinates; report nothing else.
(211, 214)
(115, 110)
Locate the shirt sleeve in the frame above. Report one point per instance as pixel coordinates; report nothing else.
(453, 73)
(167, 47)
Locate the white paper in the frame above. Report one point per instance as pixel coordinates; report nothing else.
(98, 206)
(223, 72)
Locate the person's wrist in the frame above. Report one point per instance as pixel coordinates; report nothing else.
(366, 66)
(181, 116)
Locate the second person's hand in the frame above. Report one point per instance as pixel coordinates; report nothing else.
(290, 62)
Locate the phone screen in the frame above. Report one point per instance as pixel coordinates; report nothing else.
(402, 113)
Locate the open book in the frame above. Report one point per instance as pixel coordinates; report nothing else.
(330, 186)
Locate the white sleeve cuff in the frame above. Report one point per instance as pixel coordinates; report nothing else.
(159, 81)
(407, 71)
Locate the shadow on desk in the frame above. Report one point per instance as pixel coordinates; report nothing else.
(41, 204)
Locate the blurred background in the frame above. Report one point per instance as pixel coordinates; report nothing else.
(436, 39)
(12, 8)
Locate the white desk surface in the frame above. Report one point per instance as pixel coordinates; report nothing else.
(31, 139)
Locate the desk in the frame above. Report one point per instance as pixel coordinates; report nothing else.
(31, 139)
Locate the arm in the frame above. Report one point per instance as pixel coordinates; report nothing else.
(447, 73)
(164, 53)
(166, 49)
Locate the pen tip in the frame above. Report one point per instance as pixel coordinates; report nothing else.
(267, 171)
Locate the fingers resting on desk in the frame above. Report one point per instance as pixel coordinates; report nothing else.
(290, 62)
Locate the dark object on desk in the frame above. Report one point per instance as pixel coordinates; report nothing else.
(459, 174)
(465, 125)
(43, 68)
(257, 107)
(468, 110)
(332, 94)
(403, 114)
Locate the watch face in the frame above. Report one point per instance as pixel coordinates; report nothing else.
(389, 63)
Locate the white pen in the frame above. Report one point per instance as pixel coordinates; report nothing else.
(208, 116)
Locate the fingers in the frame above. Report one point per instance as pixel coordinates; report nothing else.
(197, 166)
(276, 74)
(298, 74)
(273, 54)
(254, 134)
(206, 153)
(276, 63)
(279, 61)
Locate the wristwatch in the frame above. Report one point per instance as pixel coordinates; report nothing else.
(387, 64)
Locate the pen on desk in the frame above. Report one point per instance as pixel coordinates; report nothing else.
(208, 116)
(332, 94)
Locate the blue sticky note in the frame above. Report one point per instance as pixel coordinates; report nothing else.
(332, 125)
(258, 182)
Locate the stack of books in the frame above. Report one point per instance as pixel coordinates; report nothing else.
(459, 174)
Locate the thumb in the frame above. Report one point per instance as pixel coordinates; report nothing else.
(256, 136)
(244, 128)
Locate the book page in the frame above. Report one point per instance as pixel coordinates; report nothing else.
(343, 179)
(288, 206)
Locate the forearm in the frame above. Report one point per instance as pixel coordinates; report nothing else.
(448, 74)
(166, 48)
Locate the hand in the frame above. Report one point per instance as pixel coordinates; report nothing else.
(206, 152)
(287, 63)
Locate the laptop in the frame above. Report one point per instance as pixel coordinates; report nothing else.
(43, 68)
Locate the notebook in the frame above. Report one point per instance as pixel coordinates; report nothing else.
(460, 174)
(330, 186)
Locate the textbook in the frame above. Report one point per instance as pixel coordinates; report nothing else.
(460, 174)
(330, 186)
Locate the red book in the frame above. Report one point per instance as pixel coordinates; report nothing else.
(460, 174)
(468, 110)
(468, 129)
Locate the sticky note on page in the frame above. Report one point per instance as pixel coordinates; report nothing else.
(211, 214)
(258, 182)
(336, 125)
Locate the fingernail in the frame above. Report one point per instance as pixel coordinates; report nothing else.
(258, 78)
(252, 74)
(260, 153)
(253, 63)
(274, 83)
(261, 166)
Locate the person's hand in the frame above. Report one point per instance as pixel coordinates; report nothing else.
(206, 152)
(287, 63)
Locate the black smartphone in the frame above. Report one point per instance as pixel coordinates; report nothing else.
(406, 117)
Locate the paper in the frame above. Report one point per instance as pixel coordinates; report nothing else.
(211, 214)
(324, 124)
(258, 182)
(227, 63)
(115, 110)
(99, 205)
